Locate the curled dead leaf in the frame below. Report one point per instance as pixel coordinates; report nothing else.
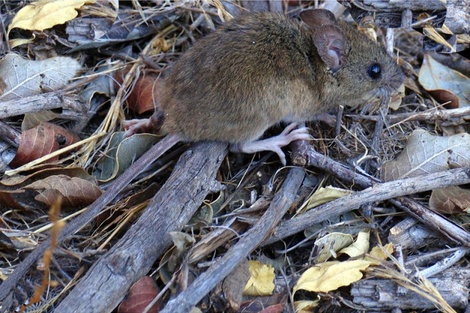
(141, 98)
(77, 187)
(40, 141)
(445, 83)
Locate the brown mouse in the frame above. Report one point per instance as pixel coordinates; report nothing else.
(254, 71)
(261, 69)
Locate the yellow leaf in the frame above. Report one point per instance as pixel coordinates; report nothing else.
(331, 275)
(324, 195)
(306, 306)
(261, 282)
(21, 41)
(328, 245)
(380, 253)
(359, 247)
(44, 14)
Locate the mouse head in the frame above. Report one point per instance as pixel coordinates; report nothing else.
(357, 69)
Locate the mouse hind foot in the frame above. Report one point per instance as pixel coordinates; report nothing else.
(275, 143)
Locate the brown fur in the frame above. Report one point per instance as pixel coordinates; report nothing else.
(260, 69)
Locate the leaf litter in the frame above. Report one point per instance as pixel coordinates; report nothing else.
(413, 146)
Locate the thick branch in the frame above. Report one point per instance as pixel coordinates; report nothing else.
(108, 281)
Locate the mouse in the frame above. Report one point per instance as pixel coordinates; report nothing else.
(261, 69)
(255, 71)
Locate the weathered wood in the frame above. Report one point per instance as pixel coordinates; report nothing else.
(410, 234)
(384, 294)
(387, 13)
(238, 253)
(458, 16)
(386, 191)
(108, 281)
(72, 107)
(79, 222)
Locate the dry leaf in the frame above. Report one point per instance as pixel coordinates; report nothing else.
(276, 308)
(17, 240)
(44, 14)
(396, 99)
(76, 192)
(141, 98)
(233, 285)
(425, 153)
(380, 253)
(445, 83)
(359, 247)
(121, 153)
(323, 195)
(450, 200)
(139, 296)
(261, 282)
(328, 245)
(330, 276)
(14, 194)
(22, 78)
(34, 119)
(271, 304)
(40, 141)
(181, 240)
(306, 306)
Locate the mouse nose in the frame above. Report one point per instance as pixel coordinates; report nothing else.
(393, 79)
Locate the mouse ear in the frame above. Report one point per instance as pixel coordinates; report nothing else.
(317, 17)
(332, 46)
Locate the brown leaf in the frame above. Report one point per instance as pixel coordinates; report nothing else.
(15, 194)
(450, 200)
(277, 308)
(40, 141)
(141, 97)
(76, 192)
(234, 284)
(273, 303)
(14, 199)
(139, 296)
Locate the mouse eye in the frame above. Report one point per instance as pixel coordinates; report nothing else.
(374, 71)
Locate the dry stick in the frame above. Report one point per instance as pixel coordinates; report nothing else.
(107, 282)
(45, 101)
(385, 191)
(76, 224)
(237, 254)
(303, 150)
(433, 219)
(434, 114)
(430, 218)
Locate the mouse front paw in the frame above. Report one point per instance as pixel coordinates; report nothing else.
(136, 126)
